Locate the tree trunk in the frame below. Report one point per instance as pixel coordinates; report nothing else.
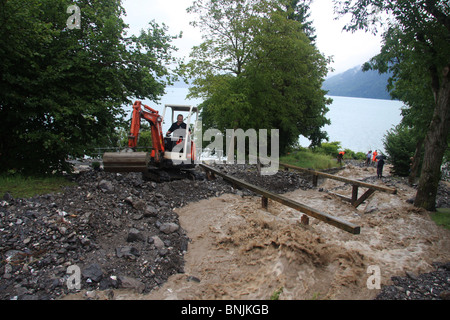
(435, 146)
(415, 165)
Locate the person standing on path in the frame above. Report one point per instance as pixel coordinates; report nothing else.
(340, 157)
(368, 158)
(374, 158)
(380, 165)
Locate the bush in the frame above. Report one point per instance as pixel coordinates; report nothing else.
(329, 148)
(360, 156)
(400, 146)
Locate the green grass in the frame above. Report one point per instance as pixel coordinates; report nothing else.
(26, 187)
(276, 294)
(442, 217)
(309, 159)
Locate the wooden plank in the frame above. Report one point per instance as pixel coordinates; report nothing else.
(330, 176)
(354, 193)
(325, 217)
(366, 195)
(345, 198)
(264, 202)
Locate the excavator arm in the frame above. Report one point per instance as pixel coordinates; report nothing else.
(138, 161)
(141, 111)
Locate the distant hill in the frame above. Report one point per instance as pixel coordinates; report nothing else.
(356, 83)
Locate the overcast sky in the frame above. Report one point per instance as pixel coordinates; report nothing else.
(348, 49)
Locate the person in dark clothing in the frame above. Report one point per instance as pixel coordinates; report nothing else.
(380, 164)
(170, 143)
(340, 157)
(177, 125)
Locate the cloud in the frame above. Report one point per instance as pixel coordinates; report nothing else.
(348, 49)
(170, 12)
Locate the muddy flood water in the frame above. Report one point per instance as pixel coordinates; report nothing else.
(241, 251)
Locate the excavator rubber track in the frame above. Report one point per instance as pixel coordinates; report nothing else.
(139, 162)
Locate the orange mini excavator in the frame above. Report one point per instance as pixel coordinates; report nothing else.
(170, 157)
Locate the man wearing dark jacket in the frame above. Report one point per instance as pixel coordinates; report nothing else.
(380, 165)
(177, 125)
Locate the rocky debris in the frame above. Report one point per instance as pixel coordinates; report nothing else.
(119, 230)
(281, 182)
(443, 195)
(428, 286)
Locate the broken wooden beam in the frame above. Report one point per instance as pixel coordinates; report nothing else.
(346, 180)
(325, 217)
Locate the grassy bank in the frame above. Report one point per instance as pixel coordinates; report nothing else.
(25, 187)
(308, 159)
(442, 217)
(320, 157)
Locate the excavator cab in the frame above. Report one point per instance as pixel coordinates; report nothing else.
(179, 148)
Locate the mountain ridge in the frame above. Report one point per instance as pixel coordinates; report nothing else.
(358, 84)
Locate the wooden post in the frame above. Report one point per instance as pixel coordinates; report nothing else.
(354, 194)
(315, 179)
(264, 202)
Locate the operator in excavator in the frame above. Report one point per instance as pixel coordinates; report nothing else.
(175, 127)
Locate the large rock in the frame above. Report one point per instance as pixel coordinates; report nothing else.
(127, 251)
(138, 204)
(169, 227)
(135, 235)
(131, 283)
(150, 211)
(106, 186)
(93, 272)
(159, 244)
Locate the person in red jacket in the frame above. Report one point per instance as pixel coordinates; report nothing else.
(374, 159)
(340, 157)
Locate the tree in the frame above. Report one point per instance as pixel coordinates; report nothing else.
(298, 10)
(400, 144)
(62, 89)
(258, 69)
(416, 49)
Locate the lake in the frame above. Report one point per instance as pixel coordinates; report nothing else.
(359, 124)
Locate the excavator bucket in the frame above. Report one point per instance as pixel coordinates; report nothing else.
(126, 161)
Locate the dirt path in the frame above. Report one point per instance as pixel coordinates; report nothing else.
(241, 251)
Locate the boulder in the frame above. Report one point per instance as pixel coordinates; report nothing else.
(106, 186)
(135, 235)
(169, 227)
(93, 272)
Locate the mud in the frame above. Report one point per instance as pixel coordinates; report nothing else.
(238, 250)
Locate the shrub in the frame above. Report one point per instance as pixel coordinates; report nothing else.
(400, 146)
(329, 148)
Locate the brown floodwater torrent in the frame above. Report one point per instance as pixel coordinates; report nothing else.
(242, 251)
